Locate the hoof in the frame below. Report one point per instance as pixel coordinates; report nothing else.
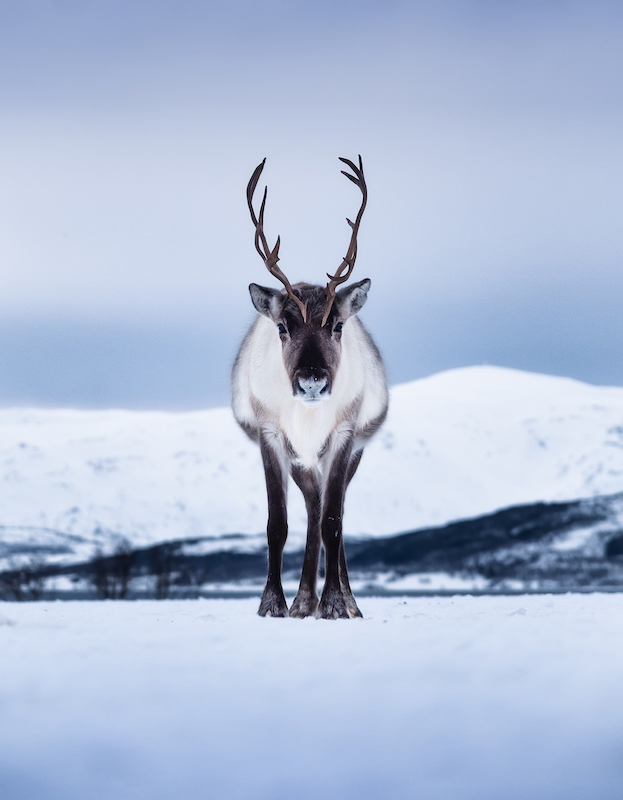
(332, 605)
(273, 604)
(304, 605)
(352, 607)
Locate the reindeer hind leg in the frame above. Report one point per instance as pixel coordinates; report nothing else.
(306, 600)
(351, 604)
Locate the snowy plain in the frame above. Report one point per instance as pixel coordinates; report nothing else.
(457, 444)
(477, 698)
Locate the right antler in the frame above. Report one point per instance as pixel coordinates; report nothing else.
(349, 259)
(270, 257)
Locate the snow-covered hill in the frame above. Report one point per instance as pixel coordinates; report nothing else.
(458, 444)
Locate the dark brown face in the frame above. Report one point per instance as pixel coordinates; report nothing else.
(311, 352)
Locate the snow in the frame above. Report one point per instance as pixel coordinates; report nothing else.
(458, 444)
(479, 439)
(478, 698)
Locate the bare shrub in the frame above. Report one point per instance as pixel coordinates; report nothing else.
(111, 575)
(25, 580)
(161, 567)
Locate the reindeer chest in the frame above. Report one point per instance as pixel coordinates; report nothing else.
(307, 431)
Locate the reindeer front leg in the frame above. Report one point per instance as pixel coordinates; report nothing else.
(337, 600)
(273, 603)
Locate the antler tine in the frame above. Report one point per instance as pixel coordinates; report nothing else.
(348, 261)
(270, 257)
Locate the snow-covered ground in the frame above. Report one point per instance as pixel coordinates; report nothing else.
(458, 444)
(463, 698)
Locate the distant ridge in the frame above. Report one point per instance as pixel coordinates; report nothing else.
(571, 546)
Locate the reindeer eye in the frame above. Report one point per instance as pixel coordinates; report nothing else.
(338, 327)
(281, 328)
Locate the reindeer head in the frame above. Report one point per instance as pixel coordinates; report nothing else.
(309, 319)
(311, 350)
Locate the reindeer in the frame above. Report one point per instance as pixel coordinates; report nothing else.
(309, 386)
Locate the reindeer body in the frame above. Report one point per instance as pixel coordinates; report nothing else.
(262, 391)
(309, 386)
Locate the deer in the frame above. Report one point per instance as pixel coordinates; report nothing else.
(309, 387)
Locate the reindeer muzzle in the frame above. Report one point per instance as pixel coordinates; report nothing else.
(312, 389)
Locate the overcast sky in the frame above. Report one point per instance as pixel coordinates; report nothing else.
(492, 139)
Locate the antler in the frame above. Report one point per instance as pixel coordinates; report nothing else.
(270, 257)
(349, 259)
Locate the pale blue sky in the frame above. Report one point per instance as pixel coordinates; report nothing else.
(491, 134)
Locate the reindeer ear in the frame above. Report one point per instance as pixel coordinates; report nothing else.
(351, 299)
(267, 301)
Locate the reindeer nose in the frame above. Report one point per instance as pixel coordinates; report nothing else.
(312, 387)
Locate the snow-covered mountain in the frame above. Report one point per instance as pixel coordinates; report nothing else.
(458, 444)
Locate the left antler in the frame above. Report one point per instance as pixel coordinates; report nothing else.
(349, 259)
(270, 257)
